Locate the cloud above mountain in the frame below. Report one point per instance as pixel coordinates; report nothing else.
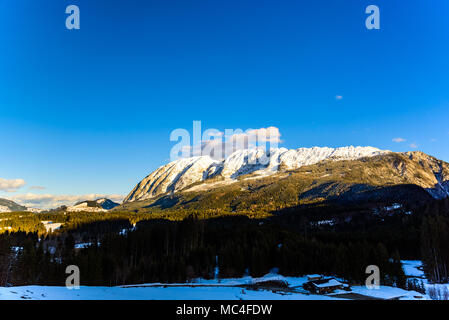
(399, 140)
(11, 185)
(220, 145)
(49, 201)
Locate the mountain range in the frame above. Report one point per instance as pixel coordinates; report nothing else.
(291, 177)
(256, 179)
(98, 205)
(185, 172)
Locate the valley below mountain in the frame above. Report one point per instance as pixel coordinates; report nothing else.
(321, 211)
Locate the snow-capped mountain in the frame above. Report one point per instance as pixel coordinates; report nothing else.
(185, 172)
(106, 203)
(99, 205)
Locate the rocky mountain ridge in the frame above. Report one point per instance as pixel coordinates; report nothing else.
(185, 172)
(410, 178)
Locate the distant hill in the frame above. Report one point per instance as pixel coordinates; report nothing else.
(98, 205)
(9, 206)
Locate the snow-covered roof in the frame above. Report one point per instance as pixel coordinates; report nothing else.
(329, 283)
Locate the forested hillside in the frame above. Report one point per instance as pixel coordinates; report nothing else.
(126, 247)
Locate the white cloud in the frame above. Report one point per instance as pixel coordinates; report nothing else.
(219, 145)
(338, 97)
(11, 185)
(399, 140)
(49, 201)
(413, 145)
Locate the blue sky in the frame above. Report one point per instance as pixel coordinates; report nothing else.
(90, 111)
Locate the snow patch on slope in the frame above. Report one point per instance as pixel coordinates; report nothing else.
(4, 209)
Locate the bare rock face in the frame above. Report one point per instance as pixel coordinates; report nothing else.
(430, 173)
(183, 173)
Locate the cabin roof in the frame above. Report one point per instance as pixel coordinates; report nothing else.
(324, 283)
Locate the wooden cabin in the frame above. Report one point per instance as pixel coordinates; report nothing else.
(324, 286)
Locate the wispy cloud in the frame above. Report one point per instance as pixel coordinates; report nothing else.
(338, 97)
(413, 145)
(49, 201)
(11, 185)
(399, 140)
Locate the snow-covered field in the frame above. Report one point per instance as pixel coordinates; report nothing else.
(413, 269)
(217, 289)
(146, 293)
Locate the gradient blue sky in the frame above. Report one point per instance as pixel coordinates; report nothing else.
(90, 110)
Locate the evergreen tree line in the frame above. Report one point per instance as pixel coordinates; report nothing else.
(435, 242)
(178, 251)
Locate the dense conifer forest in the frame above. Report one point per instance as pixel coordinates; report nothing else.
(117, 248)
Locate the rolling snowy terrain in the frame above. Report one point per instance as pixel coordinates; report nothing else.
(200, 289)
(413, 270)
